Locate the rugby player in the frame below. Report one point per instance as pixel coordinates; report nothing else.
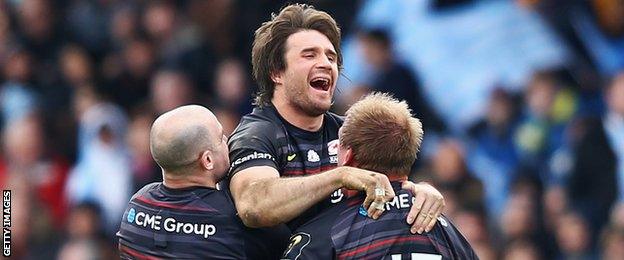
(380, 135)
(184, 216)
(296, 59)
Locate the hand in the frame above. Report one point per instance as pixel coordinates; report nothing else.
(377, 187)
(427, 206)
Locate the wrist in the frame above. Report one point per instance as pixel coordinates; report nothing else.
(342, 174)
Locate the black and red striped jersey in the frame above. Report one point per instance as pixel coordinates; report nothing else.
(264, 138)
(346, 232)
(190, 223)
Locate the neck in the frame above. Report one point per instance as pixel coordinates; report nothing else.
(296, 117)
(396, 177)
(185, 180)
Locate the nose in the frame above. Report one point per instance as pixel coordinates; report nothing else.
(324, 63)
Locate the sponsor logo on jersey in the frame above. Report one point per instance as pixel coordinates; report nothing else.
(400, 201)
(253, 156)
(336, 196)
(297, 242)
(170, 224)
(291, 157)
(313, 156)
(131, 215)
(332, 147)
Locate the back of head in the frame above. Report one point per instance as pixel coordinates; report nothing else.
(269, 46)
(178, 137)
(382, 134)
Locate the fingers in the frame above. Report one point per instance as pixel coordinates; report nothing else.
(417, 205)
(424, 216)
(377, 208)
(369, 197)
(436, 213)
(377, 187)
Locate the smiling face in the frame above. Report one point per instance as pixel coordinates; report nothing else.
(309, 79)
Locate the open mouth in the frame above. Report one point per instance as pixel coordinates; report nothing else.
(322, 84)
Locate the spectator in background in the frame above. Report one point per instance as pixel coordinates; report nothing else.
(144, 170)
(164, 28)
(38, 177)
(7, 37)
(391, 76)
(123, 26)
(76, 71)
(539, 133)
(38, 32)
(612, 243)
(128, 72)
(522, 218)
(473, 226)
(232, 94)
(599, 26)
(573, 237)
(232, 87)
(448, 172)
(17, 97)
(85, 237)
(86, 23)
(493, 157)
(102, 174)
(170, 89)
(521, 250)
(596, 182)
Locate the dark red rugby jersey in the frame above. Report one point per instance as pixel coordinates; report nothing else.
(191, 223)
(345, 232)
(264, 138)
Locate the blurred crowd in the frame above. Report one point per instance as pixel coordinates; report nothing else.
(537, 174)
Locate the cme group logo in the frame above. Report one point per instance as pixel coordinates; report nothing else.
(131, 215)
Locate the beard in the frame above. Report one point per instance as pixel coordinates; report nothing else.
(299, 99)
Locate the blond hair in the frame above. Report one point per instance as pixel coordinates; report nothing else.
(382, 134)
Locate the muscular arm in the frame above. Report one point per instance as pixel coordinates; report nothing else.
(264, 199)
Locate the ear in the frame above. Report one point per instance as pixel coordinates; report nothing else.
(206, 160)
(277, 78)
(349, 157)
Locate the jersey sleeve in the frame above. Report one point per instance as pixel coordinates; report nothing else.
(253, 144)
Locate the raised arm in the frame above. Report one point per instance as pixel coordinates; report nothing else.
(264, 199)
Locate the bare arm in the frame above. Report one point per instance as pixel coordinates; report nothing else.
(264, 199)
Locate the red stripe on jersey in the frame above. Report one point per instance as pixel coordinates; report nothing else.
(364, 248)
(135, 254)
(172, 206)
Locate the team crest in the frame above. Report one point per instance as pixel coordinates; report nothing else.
(313, 156)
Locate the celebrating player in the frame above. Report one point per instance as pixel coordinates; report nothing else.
(296, 59)
(185, 217)
(380, 135)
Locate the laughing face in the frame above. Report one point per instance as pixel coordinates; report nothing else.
(309, 80)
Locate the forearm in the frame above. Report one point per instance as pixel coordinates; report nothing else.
(271, 201)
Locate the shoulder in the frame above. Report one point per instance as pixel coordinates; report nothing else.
(262, 123)
(146, 189)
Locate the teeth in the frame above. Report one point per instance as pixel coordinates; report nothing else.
(325, 81)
